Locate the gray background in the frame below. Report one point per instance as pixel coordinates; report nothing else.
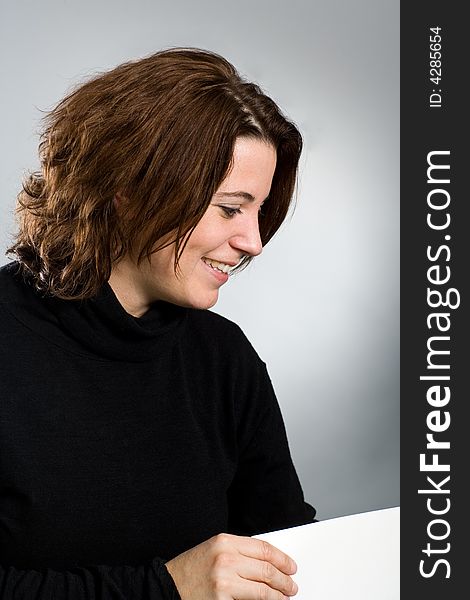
(321, 304)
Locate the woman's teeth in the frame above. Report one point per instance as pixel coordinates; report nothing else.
(218, 266)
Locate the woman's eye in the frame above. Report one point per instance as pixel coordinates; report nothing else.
(230, 212)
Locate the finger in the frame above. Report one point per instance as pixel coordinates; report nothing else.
(265, 572)
(252, 590)
(264, 551)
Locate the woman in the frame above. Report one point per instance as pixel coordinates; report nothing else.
(141, 441)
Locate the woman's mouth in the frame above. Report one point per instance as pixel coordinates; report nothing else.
(219, 270)
(217, 266)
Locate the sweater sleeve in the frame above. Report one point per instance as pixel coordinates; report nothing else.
(145, 582)
(265, 494)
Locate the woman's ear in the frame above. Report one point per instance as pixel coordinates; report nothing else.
(118, 200)
(123, 207)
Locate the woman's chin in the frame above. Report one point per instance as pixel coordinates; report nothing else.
(200, 302)
(206, 303)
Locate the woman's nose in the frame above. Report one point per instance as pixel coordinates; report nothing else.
(248, 239)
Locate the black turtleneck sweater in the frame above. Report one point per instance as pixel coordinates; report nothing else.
(125, 441)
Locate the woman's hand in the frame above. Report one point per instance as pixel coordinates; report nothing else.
(229, 567)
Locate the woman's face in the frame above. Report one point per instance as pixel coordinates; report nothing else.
(227, 232)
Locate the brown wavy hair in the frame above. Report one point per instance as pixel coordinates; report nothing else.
(160, 131)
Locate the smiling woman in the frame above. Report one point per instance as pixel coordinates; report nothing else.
(141, 440)
(227, 233)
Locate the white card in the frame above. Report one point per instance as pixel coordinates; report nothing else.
(348, 558)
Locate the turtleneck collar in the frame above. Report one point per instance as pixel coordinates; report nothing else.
(100, 325)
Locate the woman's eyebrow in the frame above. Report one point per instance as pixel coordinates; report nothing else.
(244, 195)
(240, 194)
